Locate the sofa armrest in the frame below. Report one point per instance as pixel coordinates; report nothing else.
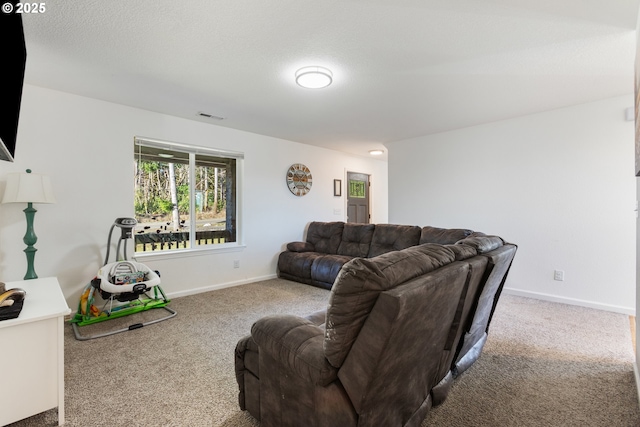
(296, 343)
(482, 244)
(300, 247)
(318, 318)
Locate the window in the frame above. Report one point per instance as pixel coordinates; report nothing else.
(185, 196)
(357, 189)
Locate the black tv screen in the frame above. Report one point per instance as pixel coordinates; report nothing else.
(14, 55)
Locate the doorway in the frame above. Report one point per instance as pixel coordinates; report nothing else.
(358, 187)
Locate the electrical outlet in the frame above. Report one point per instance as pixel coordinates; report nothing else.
(558, 275)
(236, 263)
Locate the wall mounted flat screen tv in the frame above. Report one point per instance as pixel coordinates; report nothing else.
(13, 56)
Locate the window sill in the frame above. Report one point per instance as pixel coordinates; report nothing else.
(186, 253)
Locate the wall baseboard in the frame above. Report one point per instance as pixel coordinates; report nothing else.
(571, 301)
(220, 286)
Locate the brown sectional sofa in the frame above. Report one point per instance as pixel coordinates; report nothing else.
(400, 325)
(329, 245)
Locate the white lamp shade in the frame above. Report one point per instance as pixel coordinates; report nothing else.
(28, 188)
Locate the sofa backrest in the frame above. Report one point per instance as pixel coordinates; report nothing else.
(500, 261)
(476, 320)
(443, 236)
(360, 282)
(325, 236)
(391, 237)
(370, 240)
(356, 240)
(396, 358)
(477, 267)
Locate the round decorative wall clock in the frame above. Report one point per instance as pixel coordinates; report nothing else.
(299, 179)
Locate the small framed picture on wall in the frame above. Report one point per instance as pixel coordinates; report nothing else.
(337, 187)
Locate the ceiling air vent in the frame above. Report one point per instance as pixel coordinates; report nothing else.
(209, 116)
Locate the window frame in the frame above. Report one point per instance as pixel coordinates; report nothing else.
(192, 151)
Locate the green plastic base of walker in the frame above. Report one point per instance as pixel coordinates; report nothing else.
(121, 311)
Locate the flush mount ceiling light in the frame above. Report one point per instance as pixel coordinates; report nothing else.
(165, 155)
(376, 152)
(314, 77)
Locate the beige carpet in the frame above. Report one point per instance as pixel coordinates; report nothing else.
(544, 364)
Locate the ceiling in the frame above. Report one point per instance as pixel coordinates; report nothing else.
(402, 68)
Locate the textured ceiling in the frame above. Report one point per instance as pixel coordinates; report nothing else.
(402, 68)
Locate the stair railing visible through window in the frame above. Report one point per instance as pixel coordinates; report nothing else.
(185, 196)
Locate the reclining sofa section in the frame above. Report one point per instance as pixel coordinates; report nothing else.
(400, 325)
(330, 245)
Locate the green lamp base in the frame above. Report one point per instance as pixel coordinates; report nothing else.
(30, 239)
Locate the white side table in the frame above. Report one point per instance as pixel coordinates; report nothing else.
(32, 353)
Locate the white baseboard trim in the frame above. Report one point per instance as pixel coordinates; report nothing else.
(194, 291)
(571, 301)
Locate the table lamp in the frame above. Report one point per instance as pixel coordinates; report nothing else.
(29, 188)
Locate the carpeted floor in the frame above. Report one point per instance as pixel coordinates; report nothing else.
(545, 364)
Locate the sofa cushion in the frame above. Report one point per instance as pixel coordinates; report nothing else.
(358, 285)
(325, 236)
(390, 237)
(443, 236)
(356, 240)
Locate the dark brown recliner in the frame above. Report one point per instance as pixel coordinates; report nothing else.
(390, 333)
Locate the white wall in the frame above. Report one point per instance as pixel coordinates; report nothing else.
(560, 184)
(86, 146)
